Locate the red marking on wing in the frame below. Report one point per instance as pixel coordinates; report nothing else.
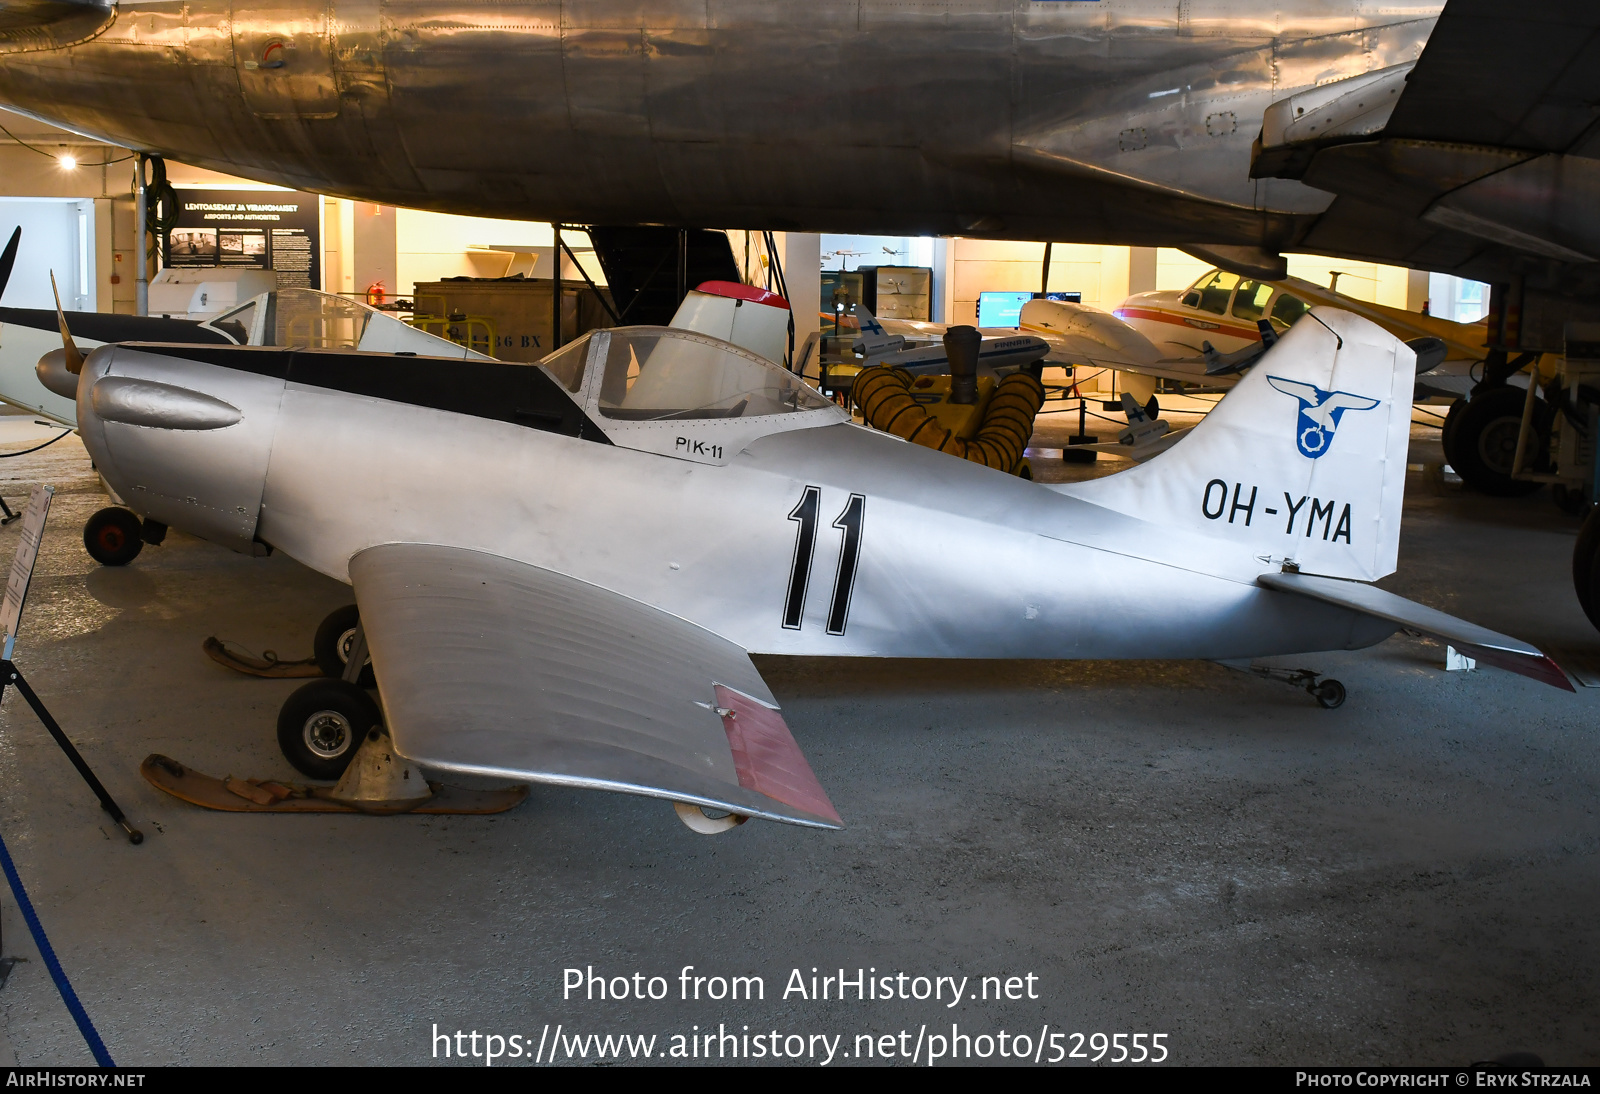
(735, 291)
(766, 757)
(1541, 668)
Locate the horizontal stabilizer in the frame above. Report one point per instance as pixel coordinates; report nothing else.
(1477, 642)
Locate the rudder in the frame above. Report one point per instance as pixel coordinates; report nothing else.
(1303, 462)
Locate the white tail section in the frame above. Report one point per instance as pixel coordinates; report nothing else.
(1303, 462)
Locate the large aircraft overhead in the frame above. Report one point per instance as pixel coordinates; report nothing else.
(1126, 121)
(1237, 128)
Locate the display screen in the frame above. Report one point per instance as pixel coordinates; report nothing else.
(1004, 309)
(1001, 309)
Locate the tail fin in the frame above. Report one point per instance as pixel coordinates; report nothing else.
(874, 339)
(1303, 462)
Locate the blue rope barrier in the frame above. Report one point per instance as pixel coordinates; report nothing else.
(63, 985)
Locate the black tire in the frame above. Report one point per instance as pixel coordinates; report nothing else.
(112, 537)
(331, 646)
(322, 724)
(1447, 431)
(1570, 501)
(1584, 552)
(1330, 693)
(1485, 442)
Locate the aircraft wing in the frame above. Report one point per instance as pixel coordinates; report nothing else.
(1470, 173)
(491, 666)
(1085, 336)
(1477, 642)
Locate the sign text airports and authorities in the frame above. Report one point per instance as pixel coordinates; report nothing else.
(1320, 412)
(22, 564)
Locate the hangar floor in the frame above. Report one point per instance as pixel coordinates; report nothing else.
(1168, 847)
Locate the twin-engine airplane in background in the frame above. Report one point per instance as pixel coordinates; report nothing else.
(649, 506)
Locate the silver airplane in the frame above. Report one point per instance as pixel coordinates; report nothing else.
(1127, 121)
(649, 506)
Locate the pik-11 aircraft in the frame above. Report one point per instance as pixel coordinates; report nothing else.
(649, 506)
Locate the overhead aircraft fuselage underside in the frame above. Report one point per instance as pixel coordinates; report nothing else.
(1126, 121)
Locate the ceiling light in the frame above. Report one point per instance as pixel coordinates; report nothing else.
(67, 161)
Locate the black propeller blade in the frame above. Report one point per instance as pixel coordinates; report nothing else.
(8, 258)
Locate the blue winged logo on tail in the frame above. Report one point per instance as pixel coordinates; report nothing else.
(1320, 412)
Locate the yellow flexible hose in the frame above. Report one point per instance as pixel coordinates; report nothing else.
(884, 395)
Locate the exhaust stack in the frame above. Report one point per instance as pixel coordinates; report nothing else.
(961, 345)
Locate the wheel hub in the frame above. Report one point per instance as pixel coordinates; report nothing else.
(1497, 444)
(346, 640)
(327, 734)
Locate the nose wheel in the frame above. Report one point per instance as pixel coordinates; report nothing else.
(112, 537)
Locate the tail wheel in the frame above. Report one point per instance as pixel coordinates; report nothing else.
(1484, 441)
(1330, 693)
(112, 538)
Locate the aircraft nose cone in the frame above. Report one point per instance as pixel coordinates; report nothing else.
(53, 374)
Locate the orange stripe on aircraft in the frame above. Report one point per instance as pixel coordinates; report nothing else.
(1208, 326)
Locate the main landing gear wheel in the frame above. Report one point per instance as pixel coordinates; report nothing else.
(112, 537)
(1483, 441)
(698, 819)
(1585, 555)
(1447, 432)
(322, 724)
(331, 646)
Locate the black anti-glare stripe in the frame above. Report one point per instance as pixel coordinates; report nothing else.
(516, 393)
(104, 327)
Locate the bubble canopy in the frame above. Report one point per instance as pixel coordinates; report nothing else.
(659, 374)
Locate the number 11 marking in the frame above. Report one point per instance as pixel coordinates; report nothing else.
(850, 522)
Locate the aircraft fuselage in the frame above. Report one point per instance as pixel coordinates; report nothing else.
(1126, 121)
(824, 541)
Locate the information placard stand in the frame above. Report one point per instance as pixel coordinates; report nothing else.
(11, 617)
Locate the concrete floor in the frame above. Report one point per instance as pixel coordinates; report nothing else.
(1167, 847)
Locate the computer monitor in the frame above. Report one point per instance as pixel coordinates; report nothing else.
(1001, 309)
(1004, 309)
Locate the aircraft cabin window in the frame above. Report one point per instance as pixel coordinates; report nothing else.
(566, 364)
(308, 319)
(652, 373)
(1215, 290)
(237, 323)
(1286, 309)
(1251, 300)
